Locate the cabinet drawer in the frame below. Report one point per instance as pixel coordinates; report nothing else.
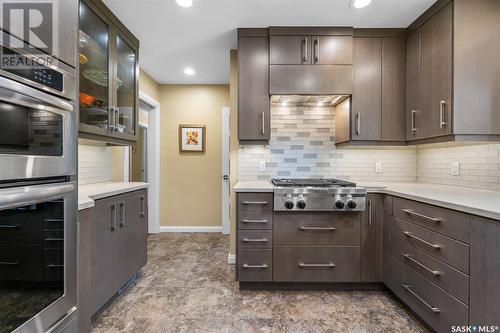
(447, 222)
(316, 264)
(255, 202)
(317, 229)
(21, 229)
(435, 306)
(255, 239)
(446, 277)
(255, 265)
(448, 250)
(255, 220)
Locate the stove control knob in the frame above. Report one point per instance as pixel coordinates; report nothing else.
(339, 204)
(351, 204)
(289, 204)
(301, 204)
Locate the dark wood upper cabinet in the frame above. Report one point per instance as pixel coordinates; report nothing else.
(253, 88)
(367, 89)
(109, 76)
(332, 50)
(436, 77)
(290, 50)
(452, 72)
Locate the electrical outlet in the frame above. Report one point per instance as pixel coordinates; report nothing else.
(379, 167)
(455, 168)
(262, 165)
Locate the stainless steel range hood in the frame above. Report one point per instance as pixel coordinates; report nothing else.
(307, 100)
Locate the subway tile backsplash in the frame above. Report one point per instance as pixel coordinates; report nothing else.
(303, 145)
(94, 163)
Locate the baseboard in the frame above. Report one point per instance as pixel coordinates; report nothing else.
(231, 259)
(189, 229)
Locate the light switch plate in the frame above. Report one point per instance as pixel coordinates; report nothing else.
(262, 165)
(455, 168)
(379, 167)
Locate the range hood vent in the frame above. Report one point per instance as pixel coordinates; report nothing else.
(307, 100)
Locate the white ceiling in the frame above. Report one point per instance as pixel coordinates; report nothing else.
(173, 38)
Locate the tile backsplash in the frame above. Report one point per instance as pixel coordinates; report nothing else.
(94, 163)
(303, 145)
(479, 164)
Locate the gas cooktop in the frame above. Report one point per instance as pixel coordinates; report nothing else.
(311, 182)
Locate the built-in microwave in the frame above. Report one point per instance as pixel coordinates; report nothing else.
(37, 256)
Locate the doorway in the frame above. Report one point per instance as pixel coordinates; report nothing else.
(226, 161)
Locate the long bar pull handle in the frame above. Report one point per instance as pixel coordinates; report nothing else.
(420, 299)
(434, 246)
(370, 213)
(111, 118)
(358, 123)
(255, 202)
(254, 221)
(316, 50)
(142, 213)
(425, 217)
(304, 50)
(263, 122)
(318, 228)
(419, 264)
(113, 217)
(413, 121)
(330, 265)
(9, 226)
(122, 214)
(9, 263)
(254, 266)
(54, 265)
(442, 120)
(257, 240)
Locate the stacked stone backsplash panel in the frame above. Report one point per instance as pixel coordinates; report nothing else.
(479, 164)
(303, 145)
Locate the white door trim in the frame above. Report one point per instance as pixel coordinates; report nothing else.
(225, 156)
(153, 164)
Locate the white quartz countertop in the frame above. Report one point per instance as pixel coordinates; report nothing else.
(89, 192)
(478, 202)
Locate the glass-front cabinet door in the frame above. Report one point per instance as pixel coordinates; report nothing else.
(94, 69)
(125, 87)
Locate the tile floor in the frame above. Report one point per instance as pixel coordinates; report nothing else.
(187, 286)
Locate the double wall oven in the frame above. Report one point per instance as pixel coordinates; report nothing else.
(38, 192)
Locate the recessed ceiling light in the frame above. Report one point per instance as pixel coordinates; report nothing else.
(356, 4)
(184, 3)
(189, 71)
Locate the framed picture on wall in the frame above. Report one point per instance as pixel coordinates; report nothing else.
(192, 138)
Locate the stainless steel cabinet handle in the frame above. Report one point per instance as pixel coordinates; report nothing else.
(263, 123)
(54, 239)
(111, 118)
(330, 264)
(54, 265)
(304, 50)
(9, 226)
(428, 218)
(255, 202)
(122, 214)
(414, 294)
(254, 221)
(370, 213)
(435, 246)
(358, 123)
(318, 228)
(442, 121)
(419, 264)
(413, 121)
(316, 50)
(113, 217)
(142, 213)
(254, 266)
(9, 263)
(249, 240)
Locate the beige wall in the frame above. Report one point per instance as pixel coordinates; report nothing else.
(190, 191)
(149, 86)
(233, 92)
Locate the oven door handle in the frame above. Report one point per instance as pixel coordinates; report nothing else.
(31, 93)
(27, 195)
